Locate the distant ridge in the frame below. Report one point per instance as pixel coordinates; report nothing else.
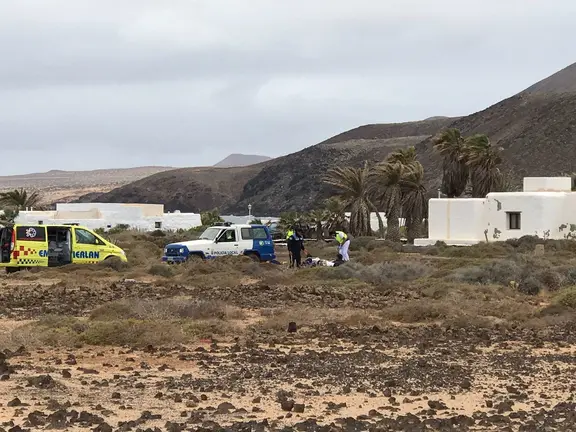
(240, 160)
(292, 182)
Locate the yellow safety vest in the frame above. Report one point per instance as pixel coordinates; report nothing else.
(341, 237)
(289, 234)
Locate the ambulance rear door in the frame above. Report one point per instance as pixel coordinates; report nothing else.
(31, 248)
(5, 241)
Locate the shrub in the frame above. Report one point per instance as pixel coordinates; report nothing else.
(113, 263)
(480, 250)
(567, 298)
(551, 279)
(530, 286)
(417, 311)
(161, 270)
(119, 228)
(359, 243)
(166, 309)
(494, 272)
(380, 273)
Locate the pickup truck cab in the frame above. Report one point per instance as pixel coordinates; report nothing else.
(254, 241)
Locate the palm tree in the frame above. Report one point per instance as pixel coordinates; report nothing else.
(20, 199)
(451, 146)
(211, 217)
(483, 159)
(404, 156)
(355, 189)
(414, 200)
(387, 189)
(318, 217)
(7, 216)
(336, 214)
(293, 219)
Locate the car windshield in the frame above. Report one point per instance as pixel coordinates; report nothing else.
(210, 233)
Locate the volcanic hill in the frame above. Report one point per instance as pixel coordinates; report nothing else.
(239, 160)
(291, 182)
(536, 128)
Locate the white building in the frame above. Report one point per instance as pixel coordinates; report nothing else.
(546, 208)
(147, 217)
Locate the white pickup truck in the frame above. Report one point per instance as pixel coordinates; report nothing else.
(254, 241)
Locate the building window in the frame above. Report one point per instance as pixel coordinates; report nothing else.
(158, 225)
(513, 220)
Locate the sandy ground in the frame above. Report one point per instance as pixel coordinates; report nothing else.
(199, 382)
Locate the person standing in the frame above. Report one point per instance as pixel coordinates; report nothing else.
(289, 234)
(296, 246)
(343, 244)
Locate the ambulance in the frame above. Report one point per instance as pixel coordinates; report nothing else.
(24, 246)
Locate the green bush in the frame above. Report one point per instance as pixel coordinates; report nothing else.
(566, 298)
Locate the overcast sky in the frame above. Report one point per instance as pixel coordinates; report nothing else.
(88, 84)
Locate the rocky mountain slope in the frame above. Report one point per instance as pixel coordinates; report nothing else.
(536, 128)
(58, 178)
(64, 186)
(239, 160)
(185, 189)
(294, 182)
(291, 182)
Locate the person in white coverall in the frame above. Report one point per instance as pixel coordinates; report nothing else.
(343, 244)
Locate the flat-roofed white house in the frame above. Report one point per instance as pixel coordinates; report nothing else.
(546, 207)
(147, 217)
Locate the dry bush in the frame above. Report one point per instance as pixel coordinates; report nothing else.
(278, 319)
(134, 323)
(113, 263)
(359, 243)
(418, 311)
(480, 250)
(376, 274)
(166, 309)
(566, 298)
(492, 272)
(530, 274)
(161, 270)
(380, 273)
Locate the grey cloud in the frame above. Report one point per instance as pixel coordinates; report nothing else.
(90, 76)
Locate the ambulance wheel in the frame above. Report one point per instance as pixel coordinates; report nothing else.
(12, 269)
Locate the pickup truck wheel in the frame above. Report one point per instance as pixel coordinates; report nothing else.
(254, 257)
(195, 258)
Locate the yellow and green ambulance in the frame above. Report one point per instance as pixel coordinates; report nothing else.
(23, 246)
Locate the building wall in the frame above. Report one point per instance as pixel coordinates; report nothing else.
(541, 213)
(464, 221)
(459, 219)
(143, 209)
(547, 184)
(104, 216)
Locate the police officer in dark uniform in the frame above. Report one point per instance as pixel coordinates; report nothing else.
(296, 246)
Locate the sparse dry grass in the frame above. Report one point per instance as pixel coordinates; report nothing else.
(134, 323)
(502, 283)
